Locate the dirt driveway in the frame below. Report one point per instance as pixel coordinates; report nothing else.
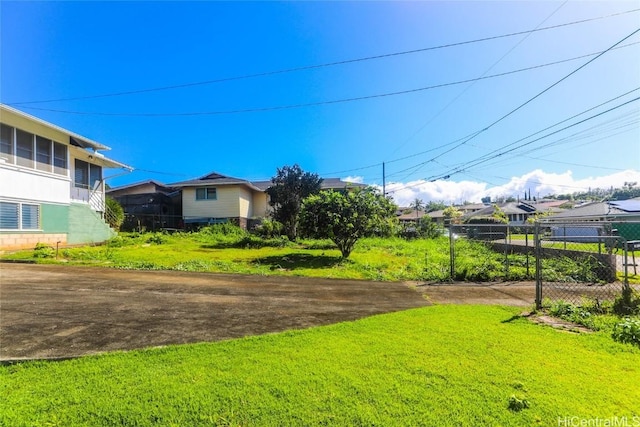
(61, 311)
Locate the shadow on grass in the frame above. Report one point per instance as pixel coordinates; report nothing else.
(296, 261)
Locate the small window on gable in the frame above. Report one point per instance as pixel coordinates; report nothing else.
(206, 194)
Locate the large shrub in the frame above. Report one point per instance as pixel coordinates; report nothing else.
(114, 214)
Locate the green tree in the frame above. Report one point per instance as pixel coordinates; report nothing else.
(417, 205)
(289, 187)
(499, 215)
(452, 214)
(434, 206)
(114, 214)
(427, 228)
(346, 217)
(628, 191)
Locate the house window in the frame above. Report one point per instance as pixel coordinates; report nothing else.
(24, 148)
(33, 151)
(19, 216)
(81, 174)
(9, 215)
(206, 194)
(6, 143)
(59, 158)
(86, 174)
(95, 174)
(43, 154)
(30, 217)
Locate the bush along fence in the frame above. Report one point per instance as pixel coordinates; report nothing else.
(569, 261)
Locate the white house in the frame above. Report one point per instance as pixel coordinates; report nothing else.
(51, 184)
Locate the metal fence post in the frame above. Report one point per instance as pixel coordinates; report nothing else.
(526, 244)
(452, 253)
(538, 252)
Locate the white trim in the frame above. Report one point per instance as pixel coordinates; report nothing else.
(95, 145)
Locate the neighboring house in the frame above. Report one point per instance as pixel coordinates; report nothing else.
(51, 184)
(148, 205)
(216, 198)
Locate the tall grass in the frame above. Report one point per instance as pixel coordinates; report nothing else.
(229, 249)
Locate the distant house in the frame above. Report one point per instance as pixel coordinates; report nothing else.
(602, 211)
(598, 218)
(517, 212)
(149, 205)
(51, 184)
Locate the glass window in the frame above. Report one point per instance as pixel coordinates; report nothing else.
(9, 215)
(30, 217)
(81, 174)
(24, 148)
(6, 143)
(43, 154)
(206, 194)
(95, 174)
(59, 158)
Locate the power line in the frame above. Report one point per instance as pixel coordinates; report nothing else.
(442, 110)
(328, 64)
(580, 135)
(527, 102)
(473, 133)
(498, 154)
(360, 98)
(467, 165)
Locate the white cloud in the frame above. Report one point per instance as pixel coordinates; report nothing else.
(540, 184)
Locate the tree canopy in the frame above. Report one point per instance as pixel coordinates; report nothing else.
(289, 187)
(346, 217)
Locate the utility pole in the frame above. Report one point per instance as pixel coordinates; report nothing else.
(384, 185)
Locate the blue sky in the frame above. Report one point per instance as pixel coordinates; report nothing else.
(74, 52)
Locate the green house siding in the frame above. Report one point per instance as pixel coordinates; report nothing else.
(86, 226)
(55, 218)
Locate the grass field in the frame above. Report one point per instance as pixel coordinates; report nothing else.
(373, 258)
(435, 366)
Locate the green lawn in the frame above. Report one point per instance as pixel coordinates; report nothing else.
(434, 366)
(392, 259)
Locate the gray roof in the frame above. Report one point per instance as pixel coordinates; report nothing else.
(327, 184)
(596, 210)
(511, 208)
(139, 183)
(214, 178)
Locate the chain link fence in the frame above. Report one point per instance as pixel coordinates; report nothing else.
(490, 251)
(574, 261)
(592, 260)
